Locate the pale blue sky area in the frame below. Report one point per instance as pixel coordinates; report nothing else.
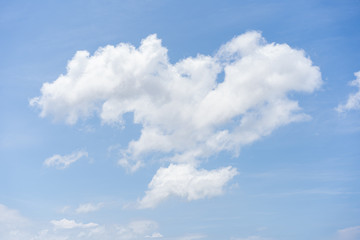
(78, 180)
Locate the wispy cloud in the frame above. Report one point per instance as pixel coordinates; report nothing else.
(351, 233)
(89, 207)
(353, 102)
(154, 235)
(10, 216)
(12, 224)
(62, 162)
(138, 230)
(70, 224)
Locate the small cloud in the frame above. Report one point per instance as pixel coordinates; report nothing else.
(184, 180)
(353, 102)
(12, 224)
(62, 162)
(130, 165)
(138, 229)
(351, 233)
(154, 235)
(89, 207)
(70, 224)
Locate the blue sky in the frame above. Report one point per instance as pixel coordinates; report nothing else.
(232, 120)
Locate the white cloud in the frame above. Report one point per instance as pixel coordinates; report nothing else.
(89, 207)
(138, 229)
(10, 216)
(70, 224)
(154, 235)
(45, 234)
(182, 108)
(69, 229)
(62, 162)
(351, 233)
(185, 181)
(12, 224)
(353, 101)
(186, 112)
(79, 233)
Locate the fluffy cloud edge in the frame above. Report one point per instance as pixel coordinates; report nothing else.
(185, 181)
(10, 217)
(350, 233)
(64, 161)
(353, 101)
(70, 224)
(89, 207)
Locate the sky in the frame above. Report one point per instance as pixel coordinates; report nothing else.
(180, 120)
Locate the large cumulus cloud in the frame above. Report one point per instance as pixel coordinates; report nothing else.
(186, 111)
